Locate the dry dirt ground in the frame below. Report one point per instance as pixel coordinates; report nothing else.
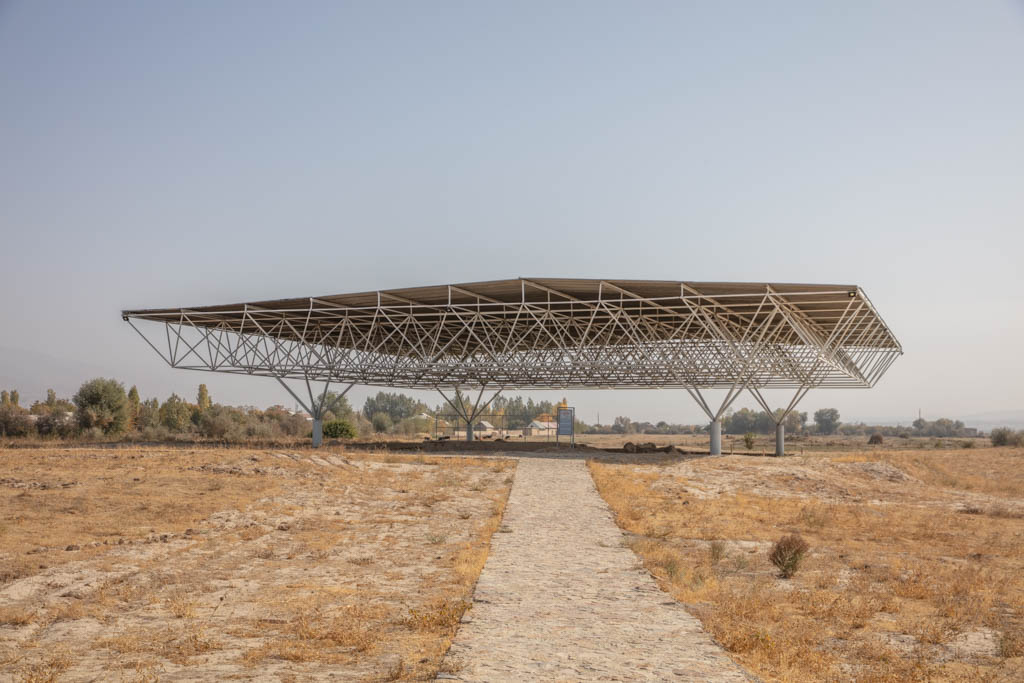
(221, 564)
(915, 569)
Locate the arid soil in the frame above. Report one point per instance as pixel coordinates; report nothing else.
(915, 569)
(157, 564)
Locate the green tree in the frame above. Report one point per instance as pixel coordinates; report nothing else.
(149, 414)
(14, 396)
(203, 399)
(381, 422)
(623, 425)
(52, 405)
(397, 406)
(795, 422)
(5, 398)
(826, 420)
(221, 422)
(175, 414)
(134, 406)
(339, 407)
(518, 413)
(102, 403)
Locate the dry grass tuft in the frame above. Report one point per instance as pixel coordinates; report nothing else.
(16, 616)
(49, 670)
(438, 614)
(181, 605)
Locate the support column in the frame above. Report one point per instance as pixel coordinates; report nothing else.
(317, 407)
(460, 408)
(716, 437)
(780, 416)
(318, 432)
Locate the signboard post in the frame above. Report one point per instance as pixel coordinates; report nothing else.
(566, 425)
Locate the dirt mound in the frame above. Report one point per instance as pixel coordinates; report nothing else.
(649, 447)
(877, 470)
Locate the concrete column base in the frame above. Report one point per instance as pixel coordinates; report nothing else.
(716, 437)
(780, 440)
(318, 432)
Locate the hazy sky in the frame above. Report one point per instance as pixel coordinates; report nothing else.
(174, 154)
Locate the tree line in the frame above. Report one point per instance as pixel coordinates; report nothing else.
(826, 421)
(102, 408)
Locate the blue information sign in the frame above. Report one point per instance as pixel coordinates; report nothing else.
(565, 420)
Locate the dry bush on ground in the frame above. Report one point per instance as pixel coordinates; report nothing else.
(899, 583)
(787, 553)
(210, 564)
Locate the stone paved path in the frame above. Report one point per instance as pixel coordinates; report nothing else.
(561, 598)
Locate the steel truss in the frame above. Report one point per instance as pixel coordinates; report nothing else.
(464, 411)
(545, 334)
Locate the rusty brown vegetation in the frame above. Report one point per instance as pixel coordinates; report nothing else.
(915, 569)
(141, 563)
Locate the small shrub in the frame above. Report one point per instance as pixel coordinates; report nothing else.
(748, 440)
(787, 554)
(671, 567)
(716, 551)
(875, 439)
(1002, 436)
(339, 429)
(156, 433)
(382, 423)
(15, 421)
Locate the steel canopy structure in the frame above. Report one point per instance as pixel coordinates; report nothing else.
(541, 333)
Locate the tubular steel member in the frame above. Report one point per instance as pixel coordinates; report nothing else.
(471, 415)
(779, 416)
(541, 334)
(317, 408)
(715, 428)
